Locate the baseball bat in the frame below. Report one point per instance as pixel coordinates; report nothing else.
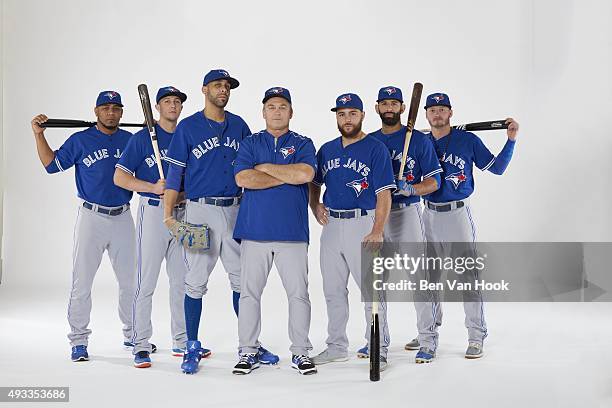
(374, 342)
(143, 92)
(415, 101)
(71, 123)
(479, 126)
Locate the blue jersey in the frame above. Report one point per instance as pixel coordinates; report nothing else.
(207, 150)
(94, 155)
(421, 163)
(458, 152)
(354, 174)
(278, 213)
(139, 158)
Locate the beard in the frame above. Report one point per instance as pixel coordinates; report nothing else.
(353, 133)
(439, 124)
(109, 125)
(390, 120)
(218, 102)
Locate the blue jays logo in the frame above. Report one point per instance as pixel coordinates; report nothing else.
(345, 99)
(438, 98)
(287, 151)
(456, 178)
(359, 185)
(277, 90)
(224, 73)
(390, 91)
(111, 95)
(409, 176)
(171, 89)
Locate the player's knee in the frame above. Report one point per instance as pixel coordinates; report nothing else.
(196, 292)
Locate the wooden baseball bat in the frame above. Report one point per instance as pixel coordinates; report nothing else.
(415, 101)
(143, 92)
(478, 126)
(72, 123)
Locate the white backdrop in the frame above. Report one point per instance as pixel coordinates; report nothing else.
(546, 63)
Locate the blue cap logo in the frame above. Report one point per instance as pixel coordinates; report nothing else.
(345, 99)
(111, 95)
(279, 92)
(438, 99)
(390, 91)
(348, 100)
(105, 97)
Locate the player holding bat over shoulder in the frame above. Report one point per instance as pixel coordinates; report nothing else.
(104, 222)
(137, 171)
(448, 221)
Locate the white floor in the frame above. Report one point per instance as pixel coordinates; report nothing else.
(537, 355)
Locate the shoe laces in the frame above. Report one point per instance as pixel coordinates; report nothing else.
(247, 358)
(302, 359)
(475, 345)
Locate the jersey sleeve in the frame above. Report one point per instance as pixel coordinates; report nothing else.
(307, 154)
(132, 156)
(65, 157)
(318, 178)
(382, 169)
(178, 151)
(245, 157)
(483, 158)
(428, 160)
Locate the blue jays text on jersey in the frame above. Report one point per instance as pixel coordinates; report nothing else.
(458, 152)
(278, 213)
(139, 157)
(421, 163)
(94, 155)
(354, 174)
(207, 150)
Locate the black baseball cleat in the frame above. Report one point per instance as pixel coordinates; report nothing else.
(247, 363)
(303, 364)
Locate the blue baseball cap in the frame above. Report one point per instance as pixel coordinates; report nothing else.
(109, 97)
(170, 91)
(390, 92)
(277, 92)
(438, 99)
(348, 100)
(217, 74)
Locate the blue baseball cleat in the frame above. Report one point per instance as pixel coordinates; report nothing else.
(424, 355)
(79, 353)
(192, 357)
(363, 352)
(142, 360)
(266, 357)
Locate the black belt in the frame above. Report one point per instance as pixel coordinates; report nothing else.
(219, 202)
(107, 211)
(445, 207)
(155, 203)
(395, 206)
(347, 214)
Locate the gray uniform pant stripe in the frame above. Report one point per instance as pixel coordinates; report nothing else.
(442, 229)
(291, 260)
(200, 264)
(154, 244)
(341, 257)
(94, 234)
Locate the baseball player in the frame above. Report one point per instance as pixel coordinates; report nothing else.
(448, 219)
(104, 222)
(357, 173)
(204, 148)
(421, 177)
(274, 166)
(137, 171)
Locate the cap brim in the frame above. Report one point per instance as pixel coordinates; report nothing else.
(268, 97)
(438, 104)
(180, 95)
(110, 103)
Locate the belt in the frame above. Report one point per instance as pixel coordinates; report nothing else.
(106, 210)
(395, 206)
(155, 203)
(347, 214)
(219, 202)
(445, 207)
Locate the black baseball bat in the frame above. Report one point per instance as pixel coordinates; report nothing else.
(478, 126)
(71, 123)
(145, 101)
